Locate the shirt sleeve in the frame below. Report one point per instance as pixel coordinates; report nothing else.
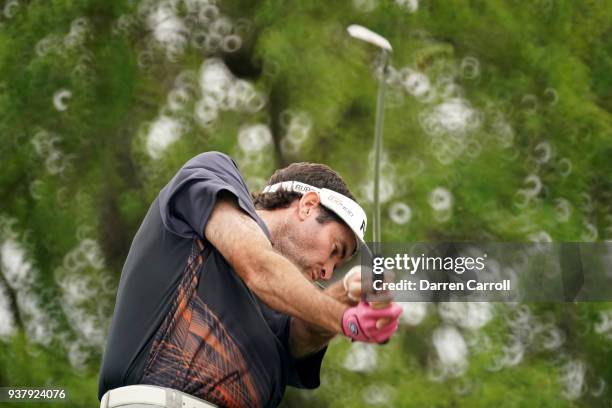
(306, 372)
(187, 201)
(302, 372)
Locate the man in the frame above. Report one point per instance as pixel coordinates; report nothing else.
(216, 298)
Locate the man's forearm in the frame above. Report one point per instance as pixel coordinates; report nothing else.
(279, 284)
(306, 338)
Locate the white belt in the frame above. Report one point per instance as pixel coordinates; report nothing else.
(153, 395)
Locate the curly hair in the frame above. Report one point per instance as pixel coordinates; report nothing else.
(317, 175)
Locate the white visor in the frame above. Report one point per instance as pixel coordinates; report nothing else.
(348, 210)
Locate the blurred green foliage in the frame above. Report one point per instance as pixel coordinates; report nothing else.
(541, 77)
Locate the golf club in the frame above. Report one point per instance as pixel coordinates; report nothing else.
(369, 36)
(364, 34)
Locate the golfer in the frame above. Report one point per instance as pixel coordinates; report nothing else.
(216, 304)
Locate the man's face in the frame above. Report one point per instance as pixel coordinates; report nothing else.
(317, 249)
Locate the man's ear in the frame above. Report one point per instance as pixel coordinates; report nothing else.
(307, 204)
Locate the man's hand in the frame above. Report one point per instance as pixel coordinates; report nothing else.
(352, 284)
(359, 322)
(353, 288)
(307, 338)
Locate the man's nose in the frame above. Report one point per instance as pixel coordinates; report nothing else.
(327, 271)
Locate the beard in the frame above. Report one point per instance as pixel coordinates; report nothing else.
(292, 246)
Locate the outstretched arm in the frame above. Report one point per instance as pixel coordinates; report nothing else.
(271, 276)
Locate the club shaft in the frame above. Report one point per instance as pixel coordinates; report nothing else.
(378, 139)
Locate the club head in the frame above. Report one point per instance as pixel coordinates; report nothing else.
(369, 36)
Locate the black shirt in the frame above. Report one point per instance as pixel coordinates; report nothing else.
(184, 319)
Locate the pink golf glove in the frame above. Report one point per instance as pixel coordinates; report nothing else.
(359, 322)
